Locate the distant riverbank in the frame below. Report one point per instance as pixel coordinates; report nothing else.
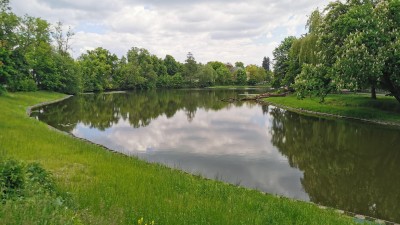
(383, 110)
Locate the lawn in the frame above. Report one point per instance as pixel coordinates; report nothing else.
(383, 109)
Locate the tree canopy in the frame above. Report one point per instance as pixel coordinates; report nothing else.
(349, 45)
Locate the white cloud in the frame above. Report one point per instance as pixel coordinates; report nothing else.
(226, 31)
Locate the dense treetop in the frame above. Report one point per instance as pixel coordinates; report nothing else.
(350, 45)
(34, 54)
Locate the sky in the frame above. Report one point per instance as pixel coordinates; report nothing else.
(213, 30)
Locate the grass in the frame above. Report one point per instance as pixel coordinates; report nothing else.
(29, 196)
(109, 188)
(383, 109)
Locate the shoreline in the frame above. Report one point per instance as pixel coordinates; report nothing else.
(30, 108)
(329, 115)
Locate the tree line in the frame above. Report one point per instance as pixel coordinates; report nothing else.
(352, 45)
(34, 54)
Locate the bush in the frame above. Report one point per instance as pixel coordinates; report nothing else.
(252, 82)
(19, 180)
(28, 85)
(12, 179)
(28, 196)
(2, 90)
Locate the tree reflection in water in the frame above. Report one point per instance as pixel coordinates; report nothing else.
(348, 165)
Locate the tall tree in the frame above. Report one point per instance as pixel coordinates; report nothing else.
(358, 42)
(98, 68)
(224, 76)
(266, 64)
(281, 59)
(256, 74)
(239, 65)
(172, 65)
(190, 68)
(241, 77)
(62, 39)
(206, 75)
(8, 42)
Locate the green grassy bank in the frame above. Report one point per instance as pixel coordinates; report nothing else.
(109, 188)
(384, 109)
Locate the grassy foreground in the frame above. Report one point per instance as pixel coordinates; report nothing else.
(109, 188)
(383, 109)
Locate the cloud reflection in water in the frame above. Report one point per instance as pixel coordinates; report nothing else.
(233, 144)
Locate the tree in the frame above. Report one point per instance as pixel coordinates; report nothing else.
(302, 52)
(172, 65)
(14, 74)
(357, 43)
(69, 74)
(239, 65)
(98, 68)
(224, 76)
(206, 75)
(281, 58)
(61, 39)
(314, 80)
(190, 68)
(266, 64)
(256, 74)
(241, 77)
(38, 51)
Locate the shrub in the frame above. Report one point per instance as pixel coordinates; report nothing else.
(19, 180)
(12, 179)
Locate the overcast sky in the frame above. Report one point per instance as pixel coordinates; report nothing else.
(222, 30)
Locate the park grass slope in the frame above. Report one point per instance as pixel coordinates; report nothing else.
(109, 188)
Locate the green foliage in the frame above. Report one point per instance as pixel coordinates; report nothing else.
(314, 80)
(173, 67)
(206, 76)
(281, 58)
(190, 69)
(239, 65)
(256, 74)
(28, 196)
(224, 76)
(69, 73)
(12, 179)
(18, 180)
(35, 55)
(241, 77)
(302, 52)
(355, 42)
(98, 69)
(175, 81)
(266, 63)
(2, 90)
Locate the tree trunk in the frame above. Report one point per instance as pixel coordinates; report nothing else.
(397, 97)
(394, 90)
(373, 91)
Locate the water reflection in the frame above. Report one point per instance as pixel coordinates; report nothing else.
(347, 165)
(338, 163)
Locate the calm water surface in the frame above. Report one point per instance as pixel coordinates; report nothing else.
(344, 164)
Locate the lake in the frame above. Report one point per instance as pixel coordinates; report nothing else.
(345, 164)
